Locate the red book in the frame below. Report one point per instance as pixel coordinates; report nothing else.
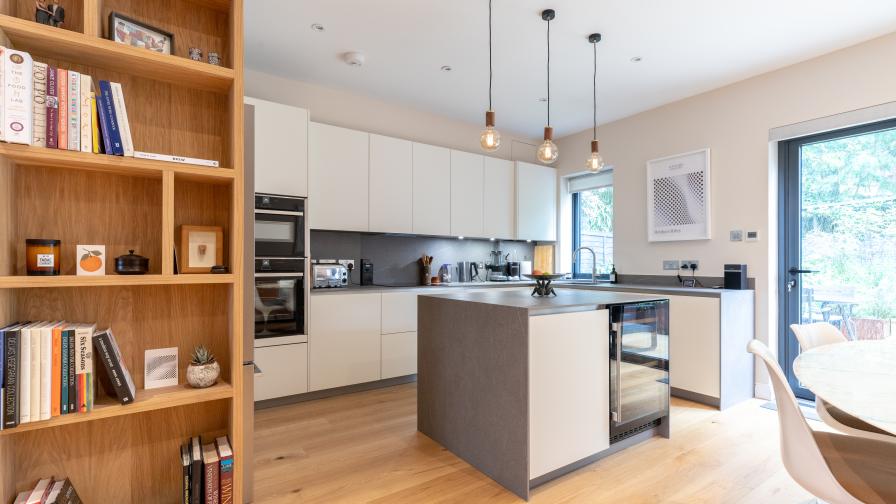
(225, 454)
(52, 108)
(212, 471)
(62, 96)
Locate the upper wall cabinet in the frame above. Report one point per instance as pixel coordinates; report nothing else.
(277, 139)
(431, 188)
(338, 178)
(466, 194)
(498, 208)
(536, 202)
(390, 185)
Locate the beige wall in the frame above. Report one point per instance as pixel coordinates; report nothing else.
(341, 108)
(734, 122)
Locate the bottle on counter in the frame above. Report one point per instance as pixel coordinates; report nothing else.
(613, 274)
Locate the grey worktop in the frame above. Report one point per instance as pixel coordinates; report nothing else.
(566, 300)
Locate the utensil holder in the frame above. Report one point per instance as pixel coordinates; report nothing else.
(426, 275)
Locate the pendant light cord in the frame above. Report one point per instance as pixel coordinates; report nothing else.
(549, 72)
(595, 89)
(490, 54)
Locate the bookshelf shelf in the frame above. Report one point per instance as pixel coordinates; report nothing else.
(40, 156)
(27, 282)
(84, 49)
(147, 400)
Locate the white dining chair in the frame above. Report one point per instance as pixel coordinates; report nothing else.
(819, 334)
(837, 468)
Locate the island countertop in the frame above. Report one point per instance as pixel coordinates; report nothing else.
(566, 300)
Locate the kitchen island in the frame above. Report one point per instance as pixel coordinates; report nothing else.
(527, 388)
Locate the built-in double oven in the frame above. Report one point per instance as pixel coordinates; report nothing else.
(279, 266)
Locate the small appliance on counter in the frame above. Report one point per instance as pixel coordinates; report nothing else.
(467, 271)
(329, 275)
(512, 270)
(736, 276)
(366, 272)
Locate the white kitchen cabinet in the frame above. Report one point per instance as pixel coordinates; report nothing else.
(399, 351)
(277, 146)
(399, 313)
(338, 178)
(498, 189)
(694, 353)
(536, 202)
(390, 184)
(432, 190)
(283, 371)
(466, 194)
(343, 339)
(569, 388)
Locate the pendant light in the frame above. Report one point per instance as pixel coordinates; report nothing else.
(595, 161)
(547, 151)
(490, 140)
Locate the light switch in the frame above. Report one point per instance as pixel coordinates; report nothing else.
(736, 235)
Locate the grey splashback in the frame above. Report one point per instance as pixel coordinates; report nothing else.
(395, 257)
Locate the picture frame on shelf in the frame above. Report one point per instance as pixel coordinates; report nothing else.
(90, 260)
(128, 31)
(200, 248)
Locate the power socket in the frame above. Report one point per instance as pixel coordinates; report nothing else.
(348, 263)
(690, 264)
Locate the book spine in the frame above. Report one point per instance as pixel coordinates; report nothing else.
(108, 109)
(63, 378)
(3, 54)
(227, 480)
(68, 495)
(34, 392)
(62, 117)
(195, 471)
(46, 371)
(176, 159)
(74, 110)
(56, 372)
(124, 126)
(103, 115)
(39, 102)
(211, 483)
(11, 379)
(72, 388)
(95, 125)
(24, 376)
(83, 346)
(18, 97)
(113, 366)
(52, 117)
(86, 129)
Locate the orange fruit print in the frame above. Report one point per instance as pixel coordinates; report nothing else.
(91, 261)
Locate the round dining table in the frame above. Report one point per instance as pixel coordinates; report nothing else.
(858, 377)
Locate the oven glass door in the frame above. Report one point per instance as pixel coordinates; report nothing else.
(279, 234)
(639, 364)
(279, 305)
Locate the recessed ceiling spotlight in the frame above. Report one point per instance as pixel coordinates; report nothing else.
(635, 59)
(447, 68)
(353, 58)
(317, 27)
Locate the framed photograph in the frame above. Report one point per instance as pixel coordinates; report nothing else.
(201, 247)
(91, 260)
(678, 203)
(125, 30)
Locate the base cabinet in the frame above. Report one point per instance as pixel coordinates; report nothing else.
(694, 345)
(343, 340)
(283, 371)
(399, 352)
(569, 389)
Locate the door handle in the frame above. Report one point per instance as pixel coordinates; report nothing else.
(797, 271)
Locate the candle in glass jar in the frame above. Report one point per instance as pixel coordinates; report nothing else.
(42, 256)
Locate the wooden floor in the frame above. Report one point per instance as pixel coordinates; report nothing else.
(364, 447)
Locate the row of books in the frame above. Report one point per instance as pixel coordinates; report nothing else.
(50, 491)
(45, 106)
(47, 370)
(207, 471)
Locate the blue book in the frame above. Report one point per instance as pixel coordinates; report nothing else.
(108, 121)
(63, 395)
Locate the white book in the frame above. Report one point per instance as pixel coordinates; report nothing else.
(121, 113)
(2, 93)
(22, 497)
(86, 114)
(39, 103)
(74, 110)
(18, 108)
(34, 390)
(84, 350)
(46, 369)
(176, 159)
(54, 491)
(38, 492)
(25, 374)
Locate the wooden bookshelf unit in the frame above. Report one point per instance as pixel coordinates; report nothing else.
(175, 106)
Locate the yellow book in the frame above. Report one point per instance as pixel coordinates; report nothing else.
(95, 123)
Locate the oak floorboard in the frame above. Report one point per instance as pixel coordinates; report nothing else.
(364, 448)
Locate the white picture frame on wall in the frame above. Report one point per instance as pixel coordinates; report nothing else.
(678, 197)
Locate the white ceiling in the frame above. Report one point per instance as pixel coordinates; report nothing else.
(687, 46)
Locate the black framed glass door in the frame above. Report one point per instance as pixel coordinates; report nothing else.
(837, 236)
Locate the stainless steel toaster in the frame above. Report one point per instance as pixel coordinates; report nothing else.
(329, 275)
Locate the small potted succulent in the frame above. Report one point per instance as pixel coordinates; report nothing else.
(203, 370)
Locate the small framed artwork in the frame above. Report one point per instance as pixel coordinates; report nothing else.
(125, 30)
(159, 367)
(201, 247)
(678, 203)
(91, 260)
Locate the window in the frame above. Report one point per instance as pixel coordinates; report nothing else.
(592, 223)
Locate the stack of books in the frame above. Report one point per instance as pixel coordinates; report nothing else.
(45, 106)
(50, 491)
(207, 471)
(47, 370)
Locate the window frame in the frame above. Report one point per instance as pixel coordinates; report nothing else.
(577, 241)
